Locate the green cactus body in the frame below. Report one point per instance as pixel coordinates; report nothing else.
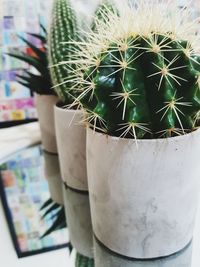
(146, 88)
(63, 29)
(82, 261)
(105, 7)
(139, 72)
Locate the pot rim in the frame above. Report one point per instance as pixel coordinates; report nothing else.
(57, 106)
(43, 95)
(138, 141)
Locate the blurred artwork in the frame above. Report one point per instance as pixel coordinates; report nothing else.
(16, 18)
(24, 190)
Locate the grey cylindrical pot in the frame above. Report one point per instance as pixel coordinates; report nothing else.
(143, 195)
(77, 210)
(45, 109)
(53, 176)
(71, 141)
(103, 258)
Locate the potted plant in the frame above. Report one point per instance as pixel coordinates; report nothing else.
(40, 84)
(79, 221)
(70, 133)
(70, 140)
(71, 136)
(140, 94)
(38, 81)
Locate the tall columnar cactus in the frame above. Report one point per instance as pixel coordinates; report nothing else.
(63, 28)
(141, 72)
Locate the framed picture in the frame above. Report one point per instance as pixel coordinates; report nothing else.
(24, 190)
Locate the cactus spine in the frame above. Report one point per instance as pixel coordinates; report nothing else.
(141, 73)
(63, 28)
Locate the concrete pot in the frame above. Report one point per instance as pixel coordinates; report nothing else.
(71, 141)
(45, 109)
(103, 258)
(53, 176)
(143, 196)
(77, 210)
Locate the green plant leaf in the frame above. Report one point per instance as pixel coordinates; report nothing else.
(49, 210)
(40, 83)
(40, 54)
(28, 59)
(38, 36)
(59, 223)
(43, 29)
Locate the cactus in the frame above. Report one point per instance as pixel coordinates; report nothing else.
(63, 28)
(82, 261)
(141, 73)
(101, 13)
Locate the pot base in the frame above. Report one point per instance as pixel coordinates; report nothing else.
(83, 192)
(53, 176)
(77, 211)
(105, 257)
(116, 254)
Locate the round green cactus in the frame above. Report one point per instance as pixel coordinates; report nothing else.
(141, 72)
(82, 261)
(63, 28)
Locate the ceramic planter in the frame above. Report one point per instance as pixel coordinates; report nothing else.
(103, 258)
(77, 210)
(143, 196)
(45, 110)
(71, 141)
(53, 176)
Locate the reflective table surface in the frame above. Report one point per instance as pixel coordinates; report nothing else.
(26, 166)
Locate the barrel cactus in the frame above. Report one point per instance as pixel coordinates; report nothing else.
(63, 28)
(139, 73)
